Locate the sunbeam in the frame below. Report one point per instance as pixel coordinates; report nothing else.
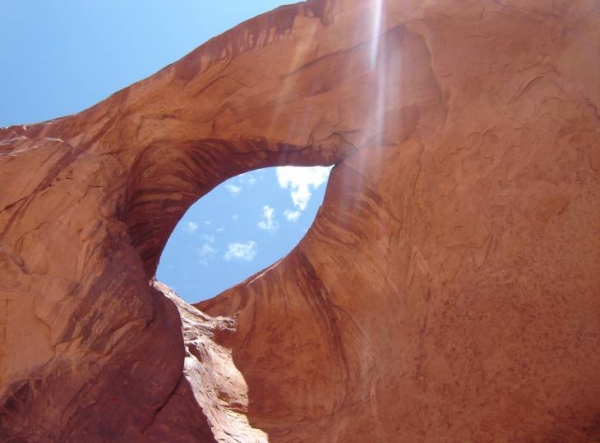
(380, 88)
(375, 30)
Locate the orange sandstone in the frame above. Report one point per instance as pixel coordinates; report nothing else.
(448, 291)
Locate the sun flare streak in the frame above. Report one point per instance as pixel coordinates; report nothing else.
(379, 71)
(375, 30)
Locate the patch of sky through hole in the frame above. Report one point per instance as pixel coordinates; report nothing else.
(241, 227)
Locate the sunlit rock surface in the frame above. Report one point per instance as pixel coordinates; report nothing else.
(449, 290)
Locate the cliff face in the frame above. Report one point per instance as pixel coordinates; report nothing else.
(448, 291)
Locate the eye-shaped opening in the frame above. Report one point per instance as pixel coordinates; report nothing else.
(244, 225)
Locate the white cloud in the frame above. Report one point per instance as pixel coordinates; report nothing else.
(235, 190)
(205, 252)
(190, 227)
(240, 251)
(300, 181)
(268, 222)
(291, 216)
(209, 238)
(235, 217)
(247, 178)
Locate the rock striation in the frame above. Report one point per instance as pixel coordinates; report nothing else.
(449, 289)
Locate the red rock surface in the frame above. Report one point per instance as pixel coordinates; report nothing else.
(449, 290)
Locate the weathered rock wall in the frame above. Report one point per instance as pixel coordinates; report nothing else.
(448, 291)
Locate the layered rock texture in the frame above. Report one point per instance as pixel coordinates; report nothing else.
(448, 291)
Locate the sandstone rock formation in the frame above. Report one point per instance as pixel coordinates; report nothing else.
(449, 290)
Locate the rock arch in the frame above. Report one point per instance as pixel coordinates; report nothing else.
(453, 263)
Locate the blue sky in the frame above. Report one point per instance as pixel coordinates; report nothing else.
(59, 58)
(241, 227)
